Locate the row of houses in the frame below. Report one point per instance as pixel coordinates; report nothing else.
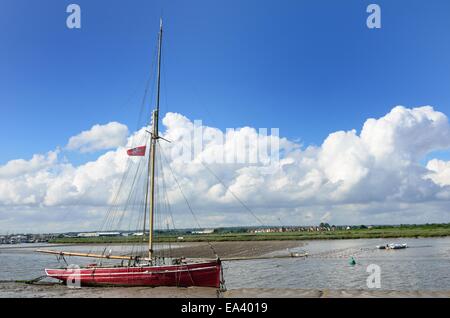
(292, 229)
(325, 228)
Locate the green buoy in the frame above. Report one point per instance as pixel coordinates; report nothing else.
(352, 261)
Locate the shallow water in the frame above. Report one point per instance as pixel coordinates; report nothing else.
(425, 265)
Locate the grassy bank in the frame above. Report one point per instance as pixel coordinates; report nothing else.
(432, 230)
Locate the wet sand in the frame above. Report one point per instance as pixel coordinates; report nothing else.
(327, 293)
(22, 290)
(43, 290)
(187, 249)
(233, 249)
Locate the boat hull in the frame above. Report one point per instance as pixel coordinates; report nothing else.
(206, 274)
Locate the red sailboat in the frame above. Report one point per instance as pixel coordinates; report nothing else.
(203, 274)
(139, 270)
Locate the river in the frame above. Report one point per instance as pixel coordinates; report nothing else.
(424, 265)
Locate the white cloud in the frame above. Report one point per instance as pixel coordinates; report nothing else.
(439, 172)
(375, 176)
(99, 137)
(21, 167)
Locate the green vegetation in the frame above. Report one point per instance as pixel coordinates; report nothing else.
(427, 230)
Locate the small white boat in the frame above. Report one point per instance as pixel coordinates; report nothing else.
(392, 246)
(396, 246)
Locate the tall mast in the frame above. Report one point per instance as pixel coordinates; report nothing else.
(154, 138)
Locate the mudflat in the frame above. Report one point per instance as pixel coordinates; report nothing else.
(232, 249)
(330, 293)
(57, 290)
(51, 290)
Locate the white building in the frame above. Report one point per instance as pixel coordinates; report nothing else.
(103, 234)
(207, 231)
(87, 235)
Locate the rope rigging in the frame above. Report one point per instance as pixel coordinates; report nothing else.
(135, 202)
(186, 200)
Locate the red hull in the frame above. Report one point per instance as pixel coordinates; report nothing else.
(206, 274)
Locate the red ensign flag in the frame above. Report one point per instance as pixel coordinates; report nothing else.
(138, 151)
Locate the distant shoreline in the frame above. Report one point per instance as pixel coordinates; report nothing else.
(419, 231)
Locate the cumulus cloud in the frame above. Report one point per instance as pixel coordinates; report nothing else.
(99, 137)
(375, 176)
(439, 172)
(21, 167)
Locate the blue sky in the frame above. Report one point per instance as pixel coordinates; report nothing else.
(306, 67)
